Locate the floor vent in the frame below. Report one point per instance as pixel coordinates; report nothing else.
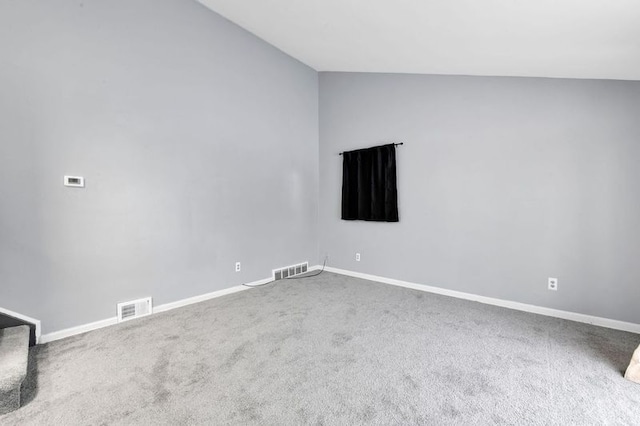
(290, 271)
(134, 309)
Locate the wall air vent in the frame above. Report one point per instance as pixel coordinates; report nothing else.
(134, 309)
(290, 271)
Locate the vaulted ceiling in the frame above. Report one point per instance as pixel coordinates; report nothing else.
(542, 38)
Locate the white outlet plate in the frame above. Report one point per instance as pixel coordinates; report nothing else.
(238, 267)
(357, 257)
(553, 284)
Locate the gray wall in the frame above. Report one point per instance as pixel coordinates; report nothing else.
(503, 182)
(198, 142)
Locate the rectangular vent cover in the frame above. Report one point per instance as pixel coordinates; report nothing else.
(290, 271)
(134, 309)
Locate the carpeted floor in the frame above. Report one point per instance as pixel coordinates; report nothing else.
(334, 350)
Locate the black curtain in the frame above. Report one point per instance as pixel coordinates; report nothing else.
(369, 187)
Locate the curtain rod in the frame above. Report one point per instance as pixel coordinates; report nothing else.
(396, 144)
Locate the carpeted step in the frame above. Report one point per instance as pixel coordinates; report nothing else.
(14, 354)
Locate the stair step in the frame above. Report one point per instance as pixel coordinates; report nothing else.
(14, 356)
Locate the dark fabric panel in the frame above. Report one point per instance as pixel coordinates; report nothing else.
(369, 186)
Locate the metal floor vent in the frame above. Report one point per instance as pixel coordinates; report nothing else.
(290, 271)
(134, 309)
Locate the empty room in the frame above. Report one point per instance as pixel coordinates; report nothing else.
(316, 212)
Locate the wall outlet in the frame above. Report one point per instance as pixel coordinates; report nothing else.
(553, 284)
(237, 266)
(357, 257)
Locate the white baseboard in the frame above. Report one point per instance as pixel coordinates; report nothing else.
(26, 319)
(68, 332)
(203, 297)
(588, 319)
(572, 316)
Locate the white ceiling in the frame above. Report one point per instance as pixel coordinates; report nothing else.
(543, 38)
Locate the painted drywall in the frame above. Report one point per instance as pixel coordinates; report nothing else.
(542, 38)
(197, 140)
(503, 182)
